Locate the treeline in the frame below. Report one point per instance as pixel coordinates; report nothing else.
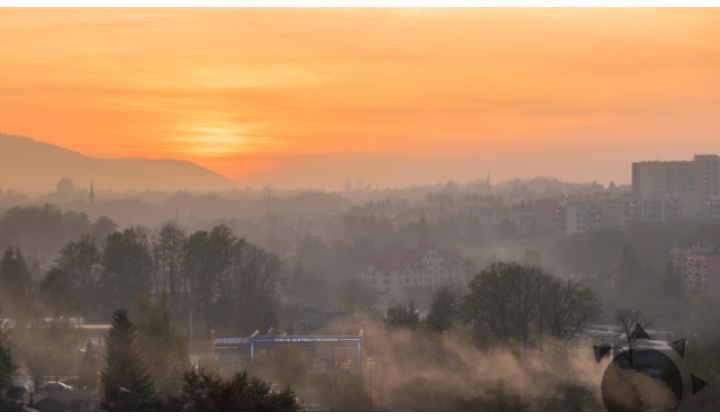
(147, 369)
(508, 303)
(42, 230)
(91, 262)
(221, 281)
(167, 279)
(631, 265)
(63, 264)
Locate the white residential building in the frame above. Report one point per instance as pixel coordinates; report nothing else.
(394, 274)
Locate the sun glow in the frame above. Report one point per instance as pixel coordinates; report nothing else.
(240, 89)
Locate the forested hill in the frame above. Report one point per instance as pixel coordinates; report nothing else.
(29, 165)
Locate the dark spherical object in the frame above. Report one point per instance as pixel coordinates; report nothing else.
(642, 380)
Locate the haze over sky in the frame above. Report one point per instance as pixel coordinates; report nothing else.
(318, 97)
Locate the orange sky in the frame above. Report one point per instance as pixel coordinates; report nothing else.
(317, 97)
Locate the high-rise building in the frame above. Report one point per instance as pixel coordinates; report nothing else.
(651, 209)
(694, 183)
(575, 218)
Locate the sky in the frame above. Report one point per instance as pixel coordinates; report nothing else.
(325, 98)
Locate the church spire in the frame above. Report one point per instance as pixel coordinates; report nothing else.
(92, 193)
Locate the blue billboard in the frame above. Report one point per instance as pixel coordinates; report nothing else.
(319, 341)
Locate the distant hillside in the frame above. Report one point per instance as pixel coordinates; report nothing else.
(29, 165)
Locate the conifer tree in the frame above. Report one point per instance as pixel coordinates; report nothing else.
(164, 348)
(15, 284)
(10, 395)
(126, 381)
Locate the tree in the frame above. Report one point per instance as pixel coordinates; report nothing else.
(80, 265)
(513, 301)
(233, 284)
(16, 284)
(205, 263)
(81, 261)
(629, 268)
(311, 252)
(253, 285)
(88, 373)
(504, 298)
(10, 395)
(205, 392)
(399, 316)
(126, 268)
(126, 381)
(444, 310)
(356, 295)
(166, 251)
(102, 228)
(164, 347)
(567, 306)
(56, 294)
(308, 289)
(632, 329)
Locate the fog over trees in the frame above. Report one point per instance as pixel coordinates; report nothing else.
(243, 262)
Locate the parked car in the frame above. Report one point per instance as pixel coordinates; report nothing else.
(25, 385)
(71, 381)
(56, 386)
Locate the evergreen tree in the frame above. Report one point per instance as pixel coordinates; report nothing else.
(444, 310)
(15, 284)
(164, 348)
(399, 316)
(205, 392)
(55, 290)
(629, 269)
(10, 395)
(87, 377)
(127, 383)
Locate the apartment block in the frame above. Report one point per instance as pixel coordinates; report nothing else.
(699, 268)
(696, 184)
(575, 218)
(396, 272)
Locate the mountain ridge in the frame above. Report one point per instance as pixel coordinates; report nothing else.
(27, 164)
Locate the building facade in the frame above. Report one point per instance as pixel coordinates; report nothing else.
(575, 218)
(696, 183)
(659, 209)
(699, 268)
(394, 274)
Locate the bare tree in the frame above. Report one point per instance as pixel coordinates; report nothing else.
(166, 249)
(253, 284)
(632, 330)
(567, 306)
(514, 301)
